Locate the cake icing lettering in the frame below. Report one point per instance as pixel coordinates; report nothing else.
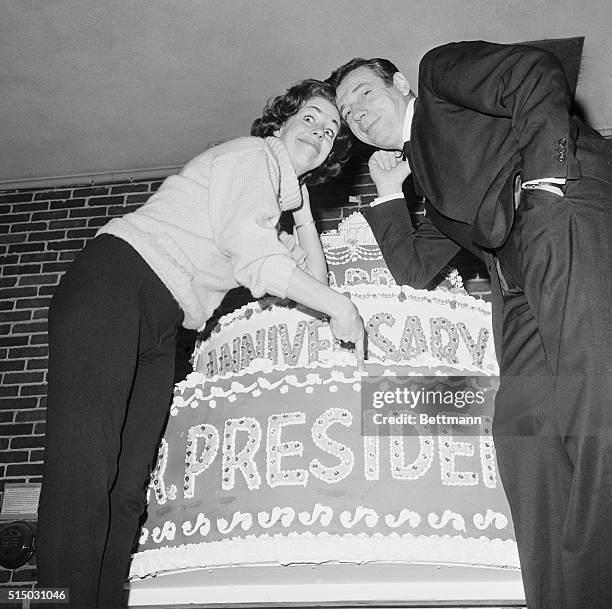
(422, 462)
(487, 453)
(157, 477)
(445, 350)
(345, 456)
(449, 450)
(276, 449)
(371, 457)
(448, 342)
(244, 460)
(195, 465)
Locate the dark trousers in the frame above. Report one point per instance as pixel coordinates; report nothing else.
(553, 419)
(112, 333)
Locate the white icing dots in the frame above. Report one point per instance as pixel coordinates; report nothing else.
(244, 460)
(422, 462)
(450, 449)
(157, 477)
(195, 465)
(276, 449)
(445, 350)
(371, 457)
(345, 456)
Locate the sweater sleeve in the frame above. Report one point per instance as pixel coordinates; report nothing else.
(243, 212)
(298, 253)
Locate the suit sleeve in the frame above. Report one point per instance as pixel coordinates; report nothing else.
(522, 83)
(414, 257)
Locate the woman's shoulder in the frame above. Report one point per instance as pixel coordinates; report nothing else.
(240, 145)
(230, 151)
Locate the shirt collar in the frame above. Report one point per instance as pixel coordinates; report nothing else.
(408, 120)
(289, 195)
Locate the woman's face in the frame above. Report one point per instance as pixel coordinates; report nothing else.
(309, 135)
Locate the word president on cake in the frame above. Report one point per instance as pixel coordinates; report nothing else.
(114, 318)
(511, 175)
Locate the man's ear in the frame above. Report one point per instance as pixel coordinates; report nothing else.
(400, 82)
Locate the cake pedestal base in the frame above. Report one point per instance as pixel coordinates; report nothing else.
(343, 585)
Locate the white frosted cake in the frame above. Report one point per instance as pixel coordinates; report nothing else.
(265, 460)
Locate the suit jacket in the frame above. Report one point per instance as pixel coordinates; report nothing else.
(485, 113)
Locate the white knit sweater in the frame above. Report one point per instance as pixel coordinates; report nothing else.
(212, 227)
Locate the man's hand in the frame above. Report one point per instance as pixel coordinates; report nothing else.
(388, 171)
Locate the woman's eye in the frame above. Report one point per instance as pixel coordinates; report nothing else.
(330, 133)
(308, 118)
(347, 116)
(365, 93)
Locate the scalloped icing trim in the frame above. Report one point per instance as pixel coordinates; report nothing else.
(309, 548)
(297, 377)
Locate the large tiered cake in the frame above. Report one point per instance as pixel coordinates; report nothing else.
(271, 456)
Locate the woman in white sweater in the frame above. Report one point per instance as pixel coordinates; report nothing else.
(113, 323)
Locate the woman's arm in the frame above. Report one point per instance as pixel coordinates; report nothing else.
(345, 321)
(308, 239)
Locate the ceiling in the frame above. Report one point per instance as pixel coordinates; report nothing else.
(92, 90)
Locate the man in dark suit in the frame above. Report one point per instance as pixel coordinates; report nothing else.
(510, 175)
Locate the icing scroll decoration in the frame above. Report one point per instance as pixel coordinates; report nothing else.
(349, 520)
(405, 515)
(201, 525)
(244, 520)
(496, 518)
(323, 513)
(285, 515)
(448, 516)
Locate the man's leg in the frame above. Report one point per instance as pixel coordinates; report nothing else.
(561, 248)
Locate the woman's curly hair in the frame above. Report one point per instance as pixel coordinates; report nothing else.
(279, 109)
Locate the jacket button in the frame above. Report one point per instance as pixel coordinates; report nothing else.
(562, 142)
(561, 158)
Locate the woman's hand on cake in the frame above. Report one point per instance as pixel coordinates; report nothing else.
(345, 322)
(346, 325)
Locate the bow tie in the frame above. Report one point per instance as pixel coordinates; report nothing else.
(407, 152)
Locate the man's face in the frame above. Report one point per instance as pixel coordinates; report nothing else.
(374, 112)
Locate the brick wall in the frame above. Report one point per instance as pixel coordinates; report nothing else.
(41, 230)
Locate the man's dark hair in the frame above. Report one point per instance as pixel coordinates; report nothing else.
(381, 67)
(279, 109)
